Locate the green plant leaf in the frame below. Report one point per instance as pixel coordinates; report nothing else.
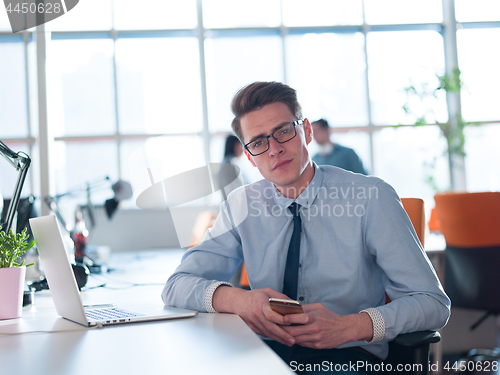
(453, 129)
(12, 247)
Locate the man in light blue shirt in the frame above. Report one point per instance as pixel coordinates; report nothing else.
(356, 243)
(333, 153)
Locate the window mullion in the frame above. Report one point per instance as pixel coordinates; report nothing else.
(43, 127)
(456, 162)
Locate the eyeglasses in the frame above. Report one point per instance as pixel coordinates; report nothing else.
(282, 135)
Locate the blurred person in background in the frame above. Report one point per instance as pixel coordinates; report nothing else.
(233, 150)
(332, 153)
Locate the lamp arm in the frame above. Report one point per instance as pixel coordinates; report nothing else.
(8, 154)
(52, 203)
(22, 164)
(93, 185)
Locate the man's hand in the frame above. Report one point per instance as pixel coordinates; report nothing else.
(321, 328)
(253, 307)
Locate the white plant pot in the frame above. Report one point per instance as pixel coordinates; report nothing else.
(11, 292)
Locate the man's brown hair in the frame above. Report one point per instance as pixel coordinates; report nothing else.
(258, 94)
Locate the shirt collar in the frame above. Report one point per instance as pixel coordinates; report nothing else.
(306, 198)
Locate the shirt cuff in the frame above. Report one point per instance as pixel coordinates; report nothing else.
(210, 293)
(378, 324)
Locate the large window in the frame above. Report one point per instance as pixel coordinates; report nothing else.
(161, 76)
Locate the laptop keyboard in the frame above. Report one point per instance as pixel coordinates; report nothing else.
(109, 314)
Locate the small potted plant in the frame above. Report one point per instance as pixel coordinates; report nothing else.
(12, 272)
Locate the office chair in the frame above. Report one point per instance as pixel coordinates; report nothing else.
(470, 223)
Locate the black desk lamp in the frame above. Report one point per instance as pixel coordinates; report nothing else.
(21, 162)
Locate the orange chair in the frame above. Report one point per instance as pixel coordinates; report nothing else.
(470, 223)
(469, 219)
(433, 223)
(244, 278)
(414, 207)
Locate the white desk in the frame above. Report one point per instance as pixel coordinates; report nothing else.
(205, 344)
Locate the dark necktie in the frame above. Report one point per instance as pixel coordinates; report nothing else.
(292, 260)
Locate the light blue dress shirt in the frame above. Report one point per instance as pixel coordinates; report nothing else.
(356, 242)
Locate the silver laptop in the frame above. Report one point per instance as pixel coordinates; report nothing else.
(64, 289)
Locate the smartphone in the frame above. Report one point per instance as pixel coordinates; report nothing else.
(285, 306)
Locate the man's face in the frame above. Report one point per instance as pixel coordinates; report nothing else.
(321, 135)
(287, 165)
